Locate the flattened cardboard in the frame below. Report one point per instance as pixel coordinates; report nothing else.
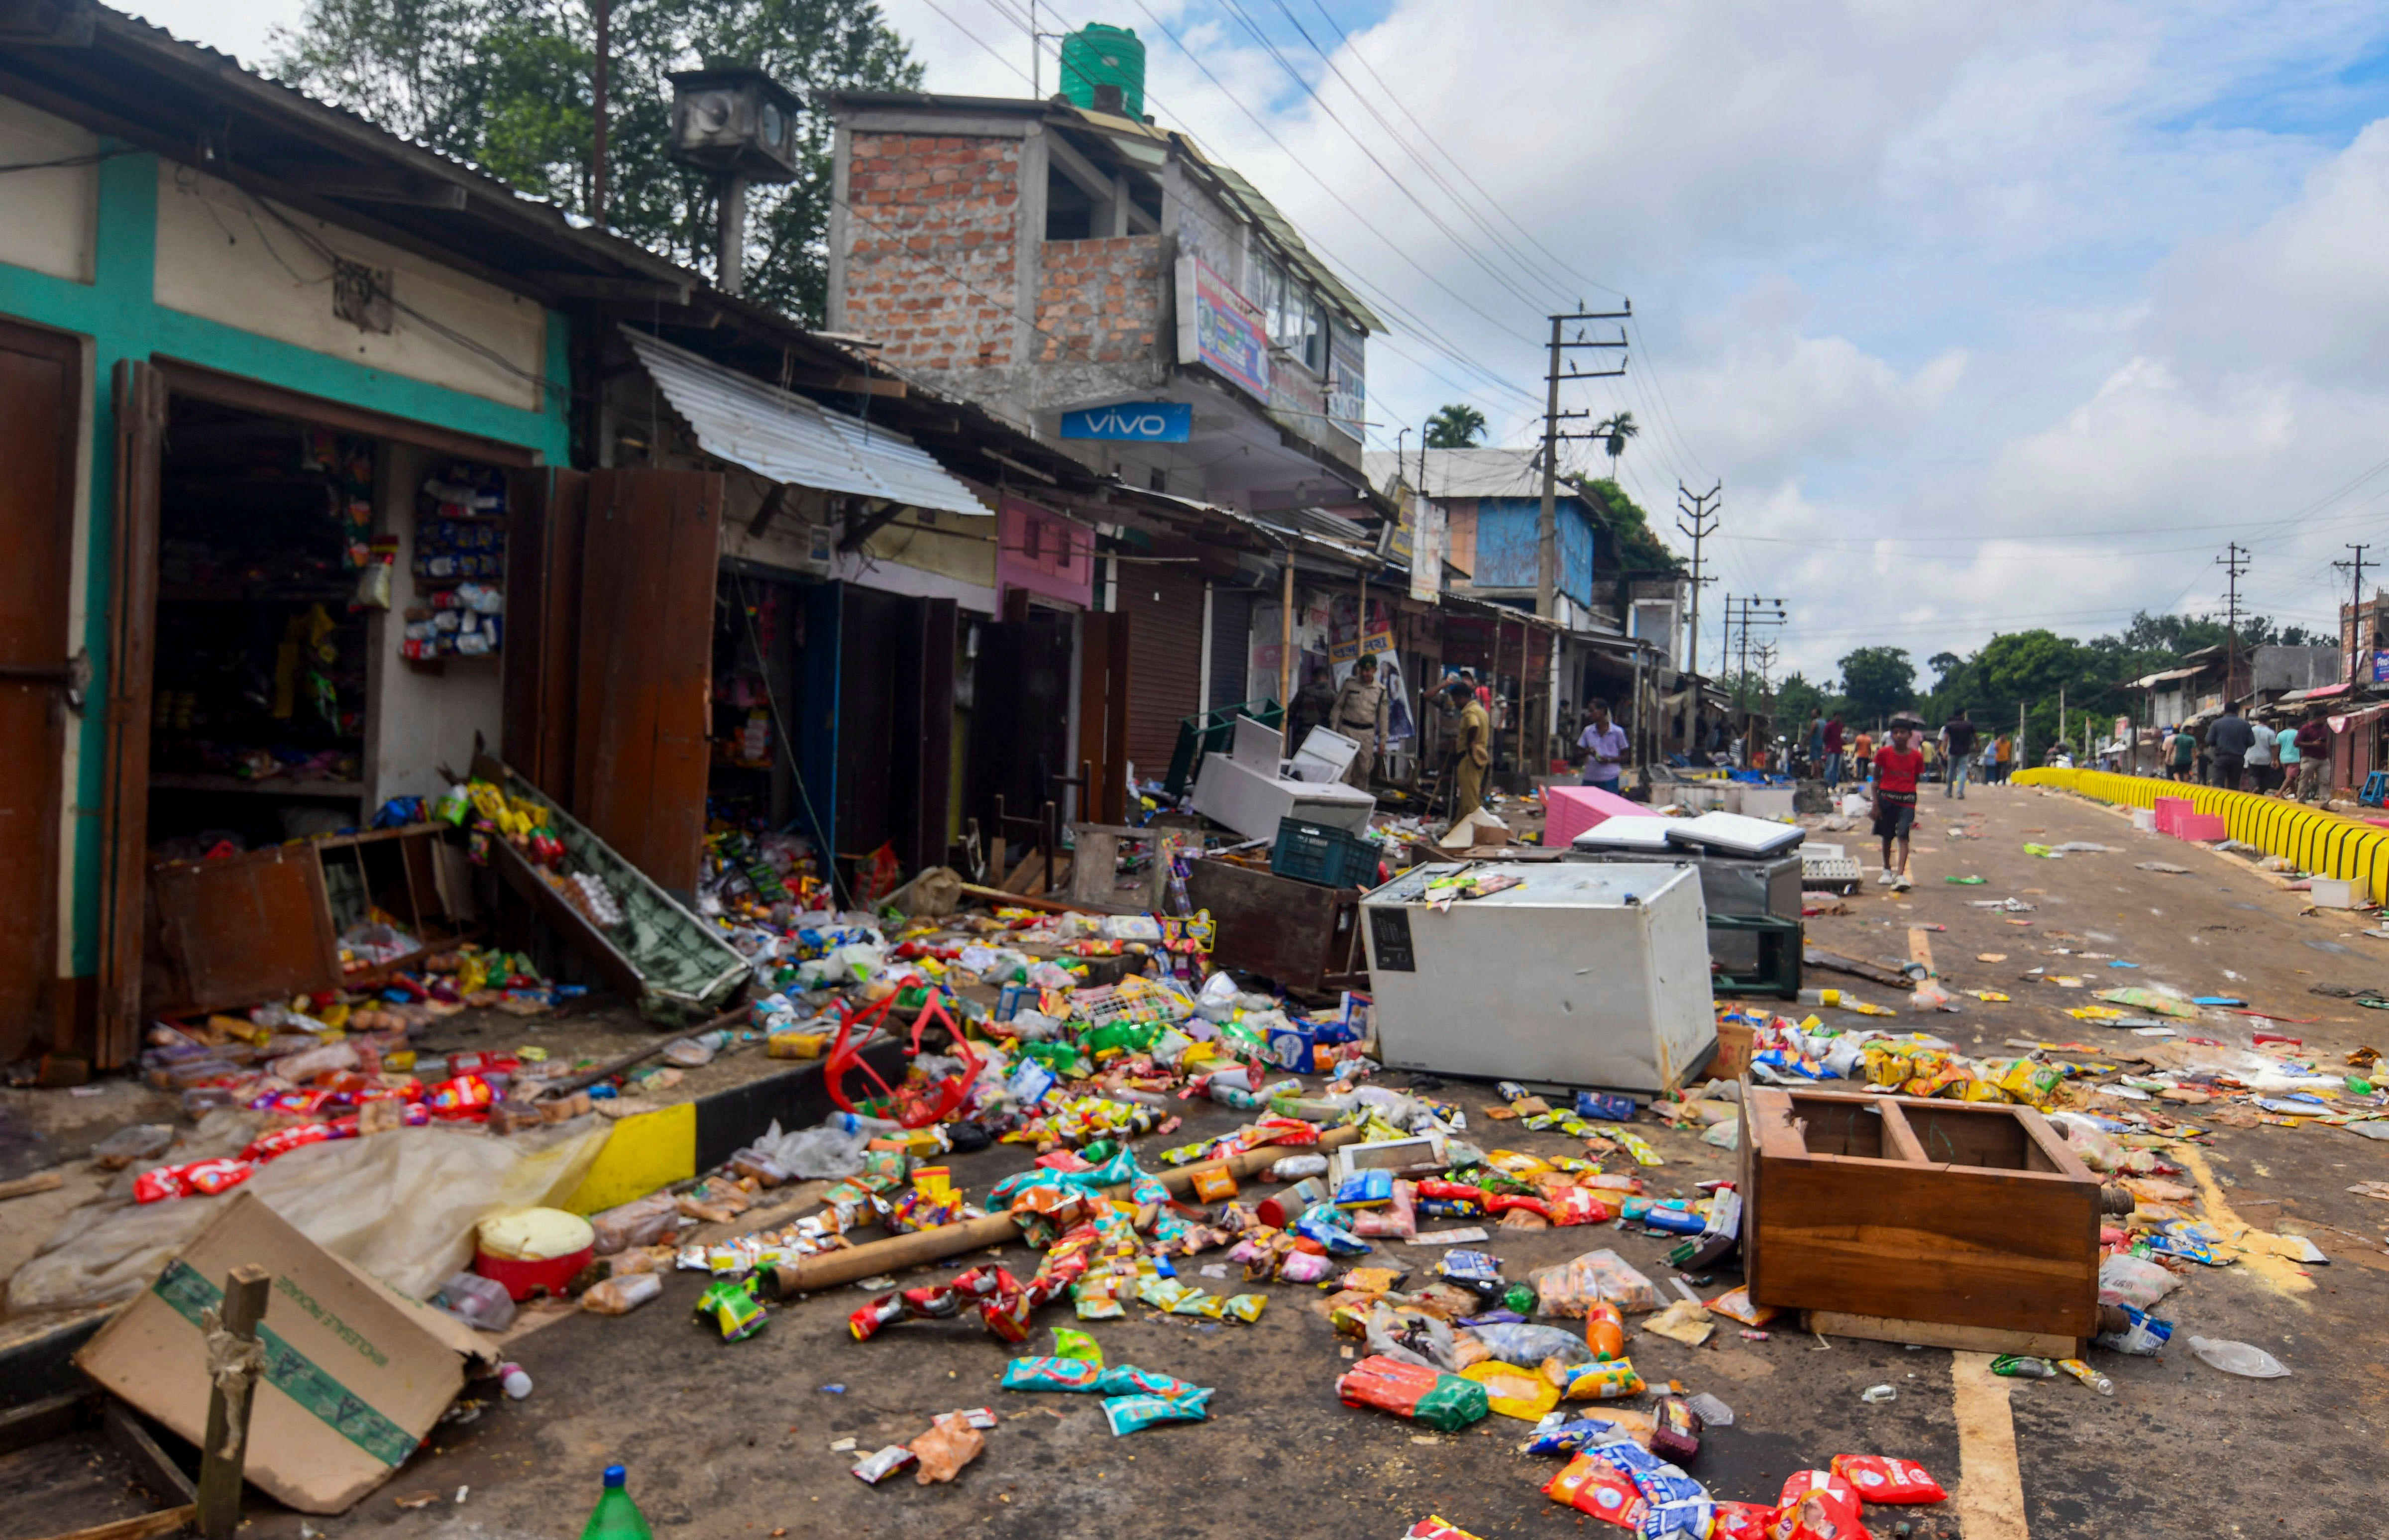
(356, 1373)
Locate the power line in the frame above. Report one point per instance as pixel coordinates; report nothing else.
(2354, 631)
(1700, 507)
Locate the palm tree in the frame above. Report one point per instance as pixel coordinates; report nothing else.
(1454, 426)
(1614, 434)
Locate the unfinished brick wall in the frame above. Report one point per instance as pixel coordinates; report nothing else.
(1100, 301)
(931, 237)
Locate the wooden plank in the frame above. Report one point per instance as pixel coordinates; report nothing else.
(1094, 864)
(1901, 1138)
(650, 546)
(140, 399)
(25, 1186)
(257, 925)
(542, 655)
(1834, 962)
(1961, 1339)
(39, 1422)
(150, 1462)
(140, 1527)
(224, 1453)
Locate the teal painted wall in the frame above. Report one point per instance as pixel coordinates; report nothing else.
(117, 312)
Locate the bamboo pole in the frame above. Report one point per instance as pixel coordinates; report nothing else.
(828, 1270)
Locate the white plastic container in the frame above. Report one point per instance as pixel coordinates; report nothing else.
(2331, 892)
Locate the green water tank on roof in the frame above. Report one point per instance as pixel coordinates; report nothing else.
(1097, 55)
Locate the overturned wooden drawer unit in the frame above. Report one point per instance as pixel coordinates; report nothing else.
(1962, 1214)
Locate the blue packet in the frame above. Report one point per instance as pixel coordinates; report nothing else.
(1365, 1189)
(1130, 1414)
(1574, 1438)
(2145, 1336)
(1605, 1107)
(1051, 1374)
(1339, 1241)
(1126, 1380)
(1470, 1268)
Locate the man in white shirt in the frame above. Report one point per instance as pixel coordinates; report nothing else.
(2263, 774)
(1604, 743)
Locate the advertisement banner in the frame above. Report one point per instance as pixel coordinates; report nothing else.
(1217, 328)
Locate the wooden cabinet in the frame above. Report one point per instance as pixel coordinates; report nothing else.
(1299, 935)
(1915, 1213)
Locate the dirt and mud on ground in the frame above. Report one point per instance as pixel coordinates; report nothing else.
(736, 1439)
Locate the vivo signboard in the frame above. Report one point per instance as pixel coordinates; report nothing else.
(1217, 328)
(1132, 422)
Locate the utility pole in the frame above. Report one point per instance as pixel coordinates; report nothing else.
(1700, 507)
(598, 86)
(1750, 615)
(2353, 632)
(1547, 554)
(2235, 561)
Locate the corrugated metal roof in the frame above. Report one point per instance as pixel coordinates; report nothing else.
(786, 437)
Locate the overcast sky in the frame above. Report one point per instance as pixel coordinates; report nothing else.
(1987, 315)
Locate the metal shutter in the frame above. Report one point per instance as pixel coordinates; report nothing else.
(1164, 603)
(1232, 645)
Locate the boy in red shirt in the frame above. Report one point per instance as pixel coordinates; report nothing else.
(1897, 766)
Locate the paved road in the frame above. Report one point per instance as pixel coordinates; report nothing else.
(734, 1440)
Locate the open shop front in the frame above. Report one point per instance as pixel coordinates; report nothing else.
(308, 620)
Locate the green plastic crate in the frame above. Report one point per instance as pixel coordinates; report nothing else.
(1214, 732)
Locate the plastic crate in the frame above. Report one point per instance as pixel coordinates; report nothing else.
(1778, 949)
(1323, 854)
(1213, 732)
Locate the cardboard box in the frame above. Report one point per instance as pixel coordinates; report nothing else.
(1735, 1043)
(356, 1373)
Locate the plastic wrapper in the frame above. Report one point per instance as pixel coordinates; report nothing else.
(1130, 1413)
(950, 1443)
(1575, 1437)
(1530, 1345)
(2240, 1358)
(1445, 1402)
(1593, 1486)
(1566, 1290)
(732, 1310)
(203, 1178)
(1413, 1337)
(1077, 1344)
(1742, 1521)
(1817, 1505)
(1125, 1380)
(1734, 1305)
(620, 1296)
(1051, 1374)
(1677, 1432)
(2143, 1335)
(874, 1469)
(478, 1302)
(2134, 1281)
(1605, 1382)
(642, 1222)
(1881, 1479)
(1513, 1391)
(143, 1141)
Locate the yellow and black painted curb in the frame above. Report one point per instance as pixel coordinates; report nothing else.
(2324, 843)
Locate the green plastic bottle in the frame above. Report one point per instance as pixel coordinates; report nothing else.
(616, 1517)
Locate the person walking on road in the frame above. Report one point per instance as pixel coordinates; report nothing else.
(1812, 743)
(2228, 742)
(1604, 743)
(2313, 740)
(2263, 774)
(2002, 758)
(1834, 733)
(1360, 715)
(1958, 739)
(1862, 756)
(2285, 756)
(2181, 748)
(1897, 766)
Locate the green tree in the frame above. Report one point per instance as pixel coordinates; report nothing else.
(505, 85)
(1640, 552)
(1458, 426)
(1878, 680)
(1615, 433)
(1797, 701)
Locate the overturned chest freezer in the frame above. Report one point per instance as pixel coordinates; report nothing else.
(1252, 788)
(1585, 975)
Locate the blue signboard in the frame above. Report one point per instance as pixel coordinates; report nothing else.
(1132, 422)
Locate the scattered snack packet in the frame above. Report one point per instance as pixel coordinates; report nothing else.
(1881, 1479)
(875, 1469)
(1130, 1414)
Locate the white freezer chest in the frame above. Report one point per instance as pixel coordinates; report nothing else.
(1588, 976)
